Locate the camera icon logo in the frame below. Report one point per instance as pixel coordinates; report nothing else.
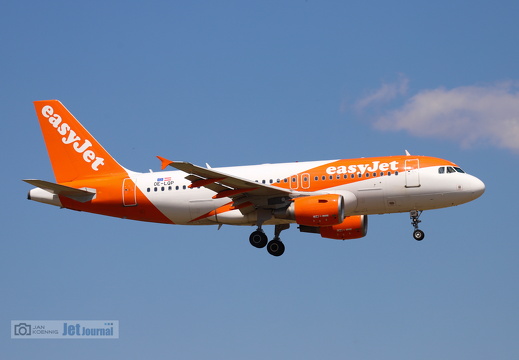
(22, 329)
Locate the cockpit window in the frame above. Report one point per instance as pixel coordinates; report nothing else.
(450, 170)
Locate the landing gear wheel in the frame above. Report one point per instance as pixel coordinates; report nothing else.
(415, 220)
(275, 248)
(418, 235)
(258, 239)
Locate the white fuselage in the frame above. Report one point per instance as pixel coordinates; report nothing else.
(421, 189)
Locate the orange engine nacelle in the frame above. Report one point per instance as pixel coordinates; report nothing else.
(353, 227)
(316, 210)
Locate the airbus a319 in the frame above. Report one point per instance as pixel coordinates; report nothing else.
(332, 198)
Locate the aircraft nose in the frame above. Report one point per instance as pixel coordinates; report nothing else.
(475, 187)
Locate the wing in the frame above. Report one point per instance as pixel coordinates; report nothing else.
(241, 191)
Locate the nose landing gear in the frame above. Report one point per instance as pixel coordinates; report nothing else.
(417, 233)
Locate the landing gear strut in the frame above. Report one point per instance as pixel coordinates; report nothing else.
(275, 247)
(417, 233)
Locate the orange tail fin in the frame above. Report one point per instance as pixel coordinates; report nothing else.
(73, 152)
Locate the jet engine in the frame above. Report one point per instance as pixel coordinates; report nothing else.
(353, 227)
(315, 210)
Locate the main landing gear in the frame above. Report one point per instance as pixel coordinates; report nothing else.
(275, 247)
(417, 233)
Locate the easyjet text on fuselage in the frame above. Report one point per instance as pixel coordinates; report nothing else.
(374, 166)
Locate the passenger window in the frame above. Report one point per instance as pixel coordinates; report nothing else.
(162, 188)
(169, 188)
(271, 181)
(316, 178)
(367, 174)
(345, 176)
(359, 175)
(184, 187)
(148, 189)
(154, 189)
(263, 181)
(176, 187)
(324, 177)
(285, 180)
(396, 172)
(353, 176)
(331, 177)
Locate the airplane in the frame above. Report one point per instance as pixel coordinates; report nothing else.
(331, 198)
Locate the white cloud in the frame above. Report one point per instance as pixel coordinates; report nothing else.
(469, 115)
(384, 94)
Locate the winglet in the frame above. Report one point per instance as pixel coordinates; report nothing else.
(407, 153)
(165, 162)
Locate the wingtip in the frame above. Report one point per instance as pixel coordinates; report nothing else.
(165, 162)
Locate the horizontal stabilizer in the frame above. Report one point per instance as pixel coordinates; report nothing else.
(81, 195)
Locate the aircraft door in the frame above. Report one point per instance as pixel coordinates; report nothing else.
(129, 194)
(305, 181)
(412, 174)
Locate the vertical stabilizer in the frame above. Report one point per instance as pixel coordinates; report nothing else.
(73, 152)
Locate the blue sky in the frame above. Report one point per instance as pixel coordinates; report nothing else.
(237, 83)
